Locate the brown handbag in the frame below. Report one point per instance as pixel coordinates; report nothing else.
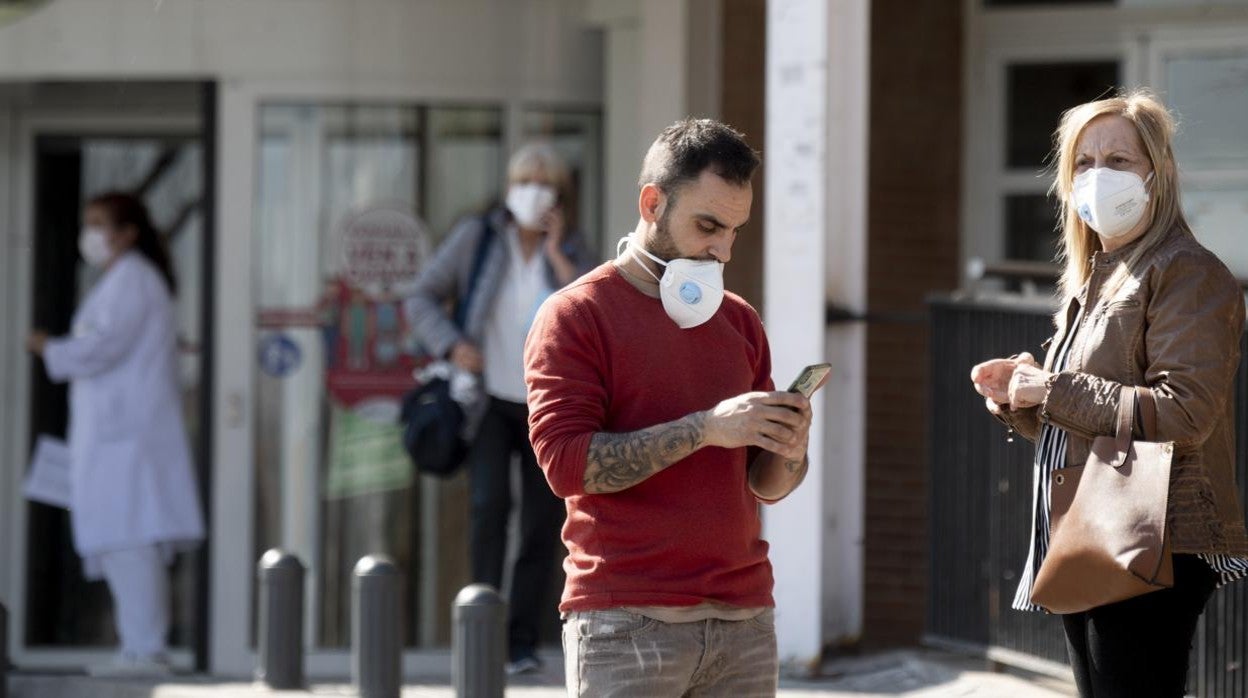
(1107, 519)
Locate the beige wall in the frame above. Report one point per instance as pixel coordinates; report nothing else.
(539, 49)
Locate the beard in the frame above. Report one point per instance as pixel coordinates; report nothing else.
(662, 244)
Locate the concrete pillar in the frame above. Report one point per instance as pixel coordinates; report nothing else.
(815, 253)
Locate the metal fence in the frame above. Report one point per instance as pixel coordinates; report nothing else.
(981, 508)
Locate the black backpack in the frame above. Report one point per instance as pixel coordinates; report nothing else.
(432, 420)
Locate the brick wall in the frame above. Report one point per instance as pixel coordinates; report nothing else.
(913, 218)
(742, 104)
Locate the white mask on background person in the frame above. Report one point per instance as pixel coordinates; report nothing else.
(529, 203)
(1110, 201)
(94, 247)
(691, 290)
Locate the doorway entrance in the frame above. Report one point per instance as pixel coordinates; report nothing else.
(65, 155)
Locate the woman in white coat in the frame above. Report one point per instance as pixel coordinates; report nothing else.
(134, 499)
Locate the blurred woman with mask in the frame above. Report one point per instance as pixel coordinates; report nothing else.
(134, 498)
(519, 253)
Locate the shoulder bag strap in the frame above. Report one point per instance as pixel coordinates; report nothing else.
(474, 276)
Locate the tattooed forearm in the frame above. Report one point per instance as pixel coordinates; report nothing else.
(773, 477)
(618, 461)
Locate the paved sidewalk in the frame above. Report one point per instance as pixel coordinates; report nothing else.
(903, 674)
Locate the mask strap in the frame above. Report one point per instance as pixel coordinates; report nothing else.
(638, 248)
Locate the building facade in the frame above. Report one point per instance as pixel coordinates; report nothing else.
(305, 157)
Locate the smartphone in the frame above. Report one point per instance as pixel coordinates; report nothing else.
(811, 379)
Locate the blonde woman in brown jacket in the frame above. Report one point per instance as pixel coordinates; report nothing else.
(1143, 304)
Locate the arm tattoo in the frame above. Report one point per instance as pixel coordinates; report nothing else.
(792, 465)
(618, 461)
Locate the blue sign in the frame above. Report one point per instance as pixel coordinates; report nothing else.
(279, 355)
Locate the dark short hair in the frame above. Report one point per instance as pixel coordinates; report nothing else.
(687, 148)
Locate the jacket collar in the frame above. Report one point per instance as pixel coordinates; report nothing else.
(1101, 258)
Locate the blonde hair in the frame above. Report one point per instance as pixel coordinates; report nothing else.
(541, 159)
(1156, 128)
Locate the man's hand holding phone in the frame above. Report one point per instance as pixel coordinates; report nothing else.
(776, 421)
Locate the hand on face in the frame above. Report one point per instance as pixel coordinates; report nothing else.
(555, 226)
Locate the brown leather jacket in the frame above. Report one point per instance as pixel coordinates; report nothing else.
(1173, 326)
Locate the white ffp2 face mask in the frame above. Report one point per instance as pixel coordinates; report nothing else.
(691, 290)
(1110, 201)
(529, 203)
(94, 248)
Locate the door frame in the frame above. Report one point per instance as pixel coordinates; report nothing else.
(24, 126)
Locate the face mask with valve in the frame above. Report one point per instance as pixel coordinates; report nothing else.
(691, 290)
(1110, 201)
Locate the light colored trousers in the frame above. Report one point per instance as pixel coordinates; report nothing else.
(139, 583)
(618, 654)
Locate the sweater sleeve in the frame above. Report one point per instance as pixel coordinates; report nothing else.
(567, 392)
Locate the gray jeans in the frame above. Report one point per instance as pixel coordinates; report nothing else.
(617, 654)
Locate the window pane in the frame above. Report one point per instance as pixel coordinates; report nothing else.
(1217, 216)
(1030, 224)
(1037, 94)
(1210, 95)
(466, 164)
(342, 194)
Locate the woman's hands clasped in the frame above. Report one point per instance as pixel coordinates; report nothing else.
(1014, 383)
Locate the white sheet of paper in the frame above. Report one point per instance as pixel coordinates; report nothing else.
(48, 478)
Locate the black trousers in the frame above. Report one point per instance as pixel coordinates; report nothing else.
(1139, 648)
(504, 432)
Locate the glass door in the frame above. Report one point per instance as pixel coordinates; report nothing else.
(60, 609)
(351, 200)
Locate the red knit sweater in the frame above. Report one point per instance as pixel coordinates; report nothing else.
(604, 357)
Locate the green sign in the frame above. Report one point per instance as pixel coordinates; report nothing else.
(365, 455)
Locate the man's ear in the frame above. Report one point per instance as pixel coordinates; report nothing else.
(651, 203)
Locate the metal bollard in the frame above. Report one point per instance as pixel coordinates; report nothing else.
(479, 643)
(280, 636)
(377, 628)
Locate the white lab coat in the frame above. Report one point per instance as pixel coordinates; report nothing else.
(132, 483)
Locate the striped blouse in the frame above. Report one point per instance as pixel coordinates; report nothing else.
(1050, 456)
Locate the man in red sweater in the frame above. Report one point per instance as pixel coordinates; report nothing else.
(654, 416)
